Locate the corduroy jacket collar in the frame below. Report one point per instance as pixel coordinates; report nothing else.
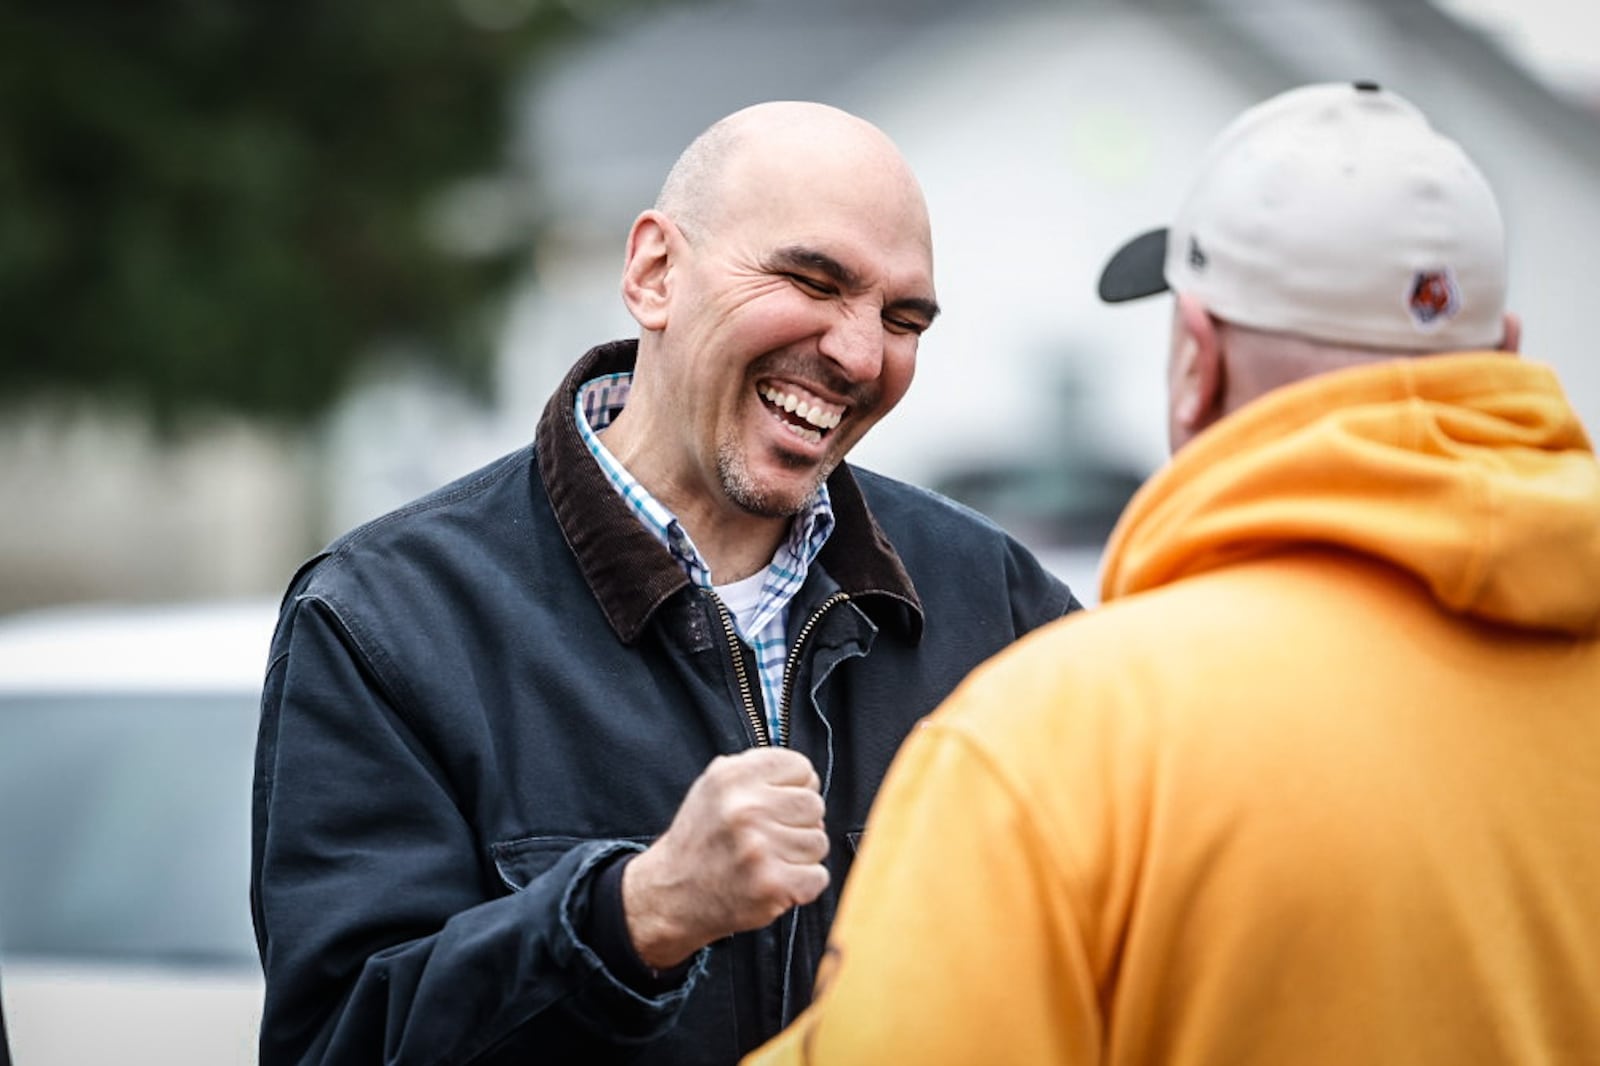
(631, 574)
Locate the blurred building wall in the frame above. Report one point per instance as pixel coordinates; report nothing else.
(98, 507)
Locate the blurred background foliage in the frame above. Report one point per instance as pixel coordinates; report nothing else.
(232, 205)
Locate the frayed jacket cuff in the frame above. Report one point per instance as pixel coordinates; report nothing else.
(607, 1001)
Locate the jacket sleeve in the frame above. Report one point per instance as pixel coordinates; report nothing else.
(382, 936)
(1037, 596)
(955, 942)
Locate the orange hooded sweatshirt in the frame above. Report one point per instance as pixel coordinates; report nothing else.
(1320, 783)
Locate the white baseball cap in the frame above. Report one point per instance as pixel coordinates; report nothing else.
(1334, 212)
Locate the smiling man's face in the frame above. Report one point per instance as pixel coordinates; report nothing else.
(794, 319)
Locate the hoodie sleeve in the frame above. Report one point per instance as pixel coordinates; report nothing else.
(385, 932)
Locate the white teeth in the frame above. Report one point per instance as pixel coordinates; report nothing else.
(812, 413)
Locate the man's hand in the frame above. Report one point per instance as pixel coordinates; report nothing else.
(746, 845)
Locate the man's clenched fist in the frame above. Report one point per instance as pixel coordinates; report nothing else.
(746, 845)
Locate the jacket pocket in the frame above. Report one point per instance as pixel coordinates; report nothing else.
(519, 862)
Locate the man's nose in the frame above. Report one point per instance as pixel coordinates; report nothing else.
(855, 342)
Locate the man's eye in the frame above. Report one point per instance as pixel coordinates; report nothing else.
(905, 325)
(811, 285)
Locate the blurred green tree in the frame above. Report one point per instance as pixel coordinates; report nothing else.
(222, 204)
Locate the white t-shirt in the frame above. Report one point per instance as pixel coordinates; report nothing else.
(742, 598)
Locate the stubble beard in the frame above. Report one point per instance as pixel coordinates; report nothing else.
(740, 486)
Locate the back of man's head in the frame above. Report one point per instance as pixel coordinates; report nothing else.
(1335, 213)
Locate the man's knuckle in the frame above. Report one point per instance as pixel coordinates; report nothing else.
(771, 886)
(739, 813)
(750, 851)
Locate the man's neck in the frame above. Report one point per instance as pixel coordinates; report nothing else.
(732, 542)
(735, 545)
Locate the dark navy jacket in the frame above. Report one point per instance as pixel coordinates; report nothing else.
(475, 701)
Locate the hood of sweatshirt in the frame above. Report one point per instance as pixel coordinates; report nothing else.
(1469, 471)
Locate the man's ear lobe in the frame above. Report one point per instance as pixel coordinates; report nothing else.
(1196, 379)
(1187, 403)
(645, 271)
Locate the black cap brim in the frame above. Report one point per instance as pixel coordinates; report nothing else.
(1137, 269)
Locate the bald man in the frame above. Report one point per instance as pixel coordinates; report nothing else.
(567, 761)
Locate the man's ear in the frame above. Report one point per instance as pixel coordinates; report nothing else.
(1511, 339)
(1196, 377)
(644, 272)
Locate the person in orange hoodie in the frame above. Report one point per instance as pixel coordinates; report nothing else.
(1320, 782)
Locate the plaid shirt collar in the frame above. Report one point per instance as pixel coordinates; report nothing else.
(599, 401)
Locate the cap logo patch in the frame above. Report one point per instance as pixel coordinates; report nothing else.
(1197, 258)
(1434, 297)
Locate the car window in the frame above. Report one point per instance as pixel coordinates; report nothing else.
(124, 826)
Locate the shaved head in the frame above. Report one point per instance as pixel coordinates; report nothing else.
(740, 156)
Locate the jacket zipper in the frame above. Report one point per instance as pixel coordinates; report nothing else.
(746, 694)
(786, 695)
(756, 719)
(786, 700)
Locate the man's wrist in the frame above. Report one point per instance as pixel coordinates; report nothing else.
(608, 933)
(659, 942)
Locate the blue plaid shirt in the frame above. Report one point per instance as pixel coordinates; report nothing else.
(766, 630)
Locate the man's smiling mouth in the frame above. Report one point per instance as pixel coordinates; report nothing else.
(807, 417)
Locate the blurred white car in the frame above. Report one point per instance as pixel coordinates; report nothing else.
(126, 746)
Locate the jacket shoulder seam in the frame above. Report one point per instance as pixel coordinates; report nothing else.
(439, 498)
